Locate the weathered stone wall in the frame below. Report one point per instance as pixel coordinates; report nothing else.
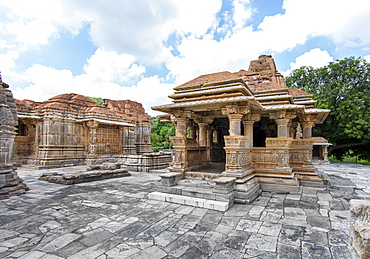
(71, 129)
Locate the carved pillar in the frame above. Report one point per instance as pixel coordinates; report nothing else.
(282, 128)
(307, 129)
(238, 153)
(193, 130)
(234, 123)
(209, 142)
(217, 136)
(248, 127)
(282, 119)
(181, 127)
(209, 136)
(92, 148)
(179, 163)
(202, 134)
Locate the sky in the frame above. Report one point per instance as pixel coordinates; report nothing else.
(141, 49)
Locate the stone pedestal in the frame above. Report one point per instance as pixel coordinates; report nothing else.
(359, 229)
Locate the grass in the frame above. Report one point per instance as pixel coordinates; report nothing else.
(350, 159)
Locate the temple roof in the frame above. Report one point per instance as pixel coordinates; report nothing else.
(81, 107)
(263, 85)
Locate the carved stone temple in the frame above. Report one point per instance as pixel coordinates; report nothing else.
(71, 129)
(10, 183)
(251, 123)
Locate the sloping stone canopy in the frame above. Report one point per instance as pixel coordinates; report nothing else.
(250, 120)
(73, 129)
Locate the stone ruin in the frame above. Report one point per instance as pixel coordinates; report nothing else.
(252, 126)
(71, 129)
(10, 183)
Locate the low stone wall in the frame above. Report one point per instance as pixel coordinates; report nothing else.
(146, 162)
(360, 229)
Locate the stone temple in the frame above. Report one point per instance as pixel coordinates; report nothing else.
(71, 129)
(251, 124)
(10, 183)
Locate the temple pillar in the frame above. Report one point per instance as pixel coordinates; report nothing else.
(181, 127)
(217, 136)
(209, 142)
(202, 134)
(180, 161)
(307, 129)
(238, 152)
(282, 128)
(248, 127)
(234, 122)
(92, 147)
(193, 131)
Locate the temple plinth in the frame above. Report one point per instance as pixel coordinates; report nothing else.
(250, 121)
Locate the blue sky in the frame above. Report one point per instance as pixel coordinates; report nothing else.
(141, 49)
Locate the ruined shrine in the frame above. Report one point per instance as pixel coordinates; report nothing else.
(71, 129)
(10, 183)
(255, 128)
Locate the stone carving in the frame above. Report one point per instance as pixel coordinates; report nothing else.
(359, 229)
(299, 132)
(72, 129)
(253, 115)
(10, 183)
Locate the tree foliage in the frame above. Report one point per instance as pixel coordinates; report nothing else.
(98, 100)
(343, 86)
(160, 134)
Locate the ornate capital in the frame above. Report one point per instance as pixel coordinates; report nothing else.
(235, 109)
(252, 117)
(92, 124)
(282, 114)
(308, 117)
(207, 120)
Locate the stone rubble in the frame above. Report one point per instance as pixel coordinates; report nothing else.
(114, 218)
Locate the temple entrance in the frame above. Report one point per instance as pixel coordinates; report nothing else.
(265, 128)
(221, 129)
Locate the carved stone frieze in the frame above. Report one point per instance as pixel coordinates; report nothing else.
(235, 109)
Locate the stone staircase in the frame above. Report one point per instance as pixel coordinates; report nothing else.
(212, 192)
(217, 194)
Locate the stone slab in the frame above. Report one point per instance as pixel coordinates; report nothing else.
(190, 201)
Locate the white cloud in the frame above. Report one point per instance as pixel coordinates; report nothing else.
(242, 13)
(132, 35)
(367, 58)
(110, 66)
(107, 75)
(315, 58)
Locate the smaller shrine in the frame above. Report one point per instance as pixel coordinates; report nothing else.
(71, 129)
(10, 183)
(251, 124)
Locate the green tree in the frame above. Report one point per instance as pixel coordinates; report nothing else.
(98, 100)
(160, 134)
(343, 86)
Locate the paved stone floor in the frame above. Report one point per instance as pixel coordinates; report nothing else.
(114, 219)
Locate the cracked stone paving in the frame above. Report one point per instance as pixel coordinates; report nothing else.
(114, 219)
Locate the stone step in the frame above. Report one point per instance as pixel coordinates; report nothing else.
(190, 201)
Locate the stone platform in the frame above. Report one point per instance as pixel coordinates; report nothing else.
(82, 176)
(114, 218)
